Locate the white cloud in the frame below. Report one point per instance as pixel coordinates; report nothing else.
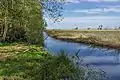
(78, 1)
(110, 0)
(116, 6)
(84, 22)
(94, 0)
(111, 9)
(91, 11)
(79, 19)
(73, 1)
(99, 10)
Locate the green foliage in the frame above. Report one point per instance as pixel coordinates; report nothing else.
(16, 34)
(21, 18)
(59, 68)
(35, 64)
(27, 15)
(22, 65)
(4, 44)
(22, 62)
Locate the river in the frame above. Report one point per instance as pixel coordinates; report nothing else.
(105, 59)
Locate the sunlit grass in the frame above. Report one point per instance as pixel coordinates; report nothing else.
(23, 62)
(109, 38)
(18, 62)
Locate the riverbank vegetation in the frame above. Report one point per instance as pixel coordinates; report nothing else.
(19, 61)
(21, 26)
(23, 62)
(104, 38)
(22, 56)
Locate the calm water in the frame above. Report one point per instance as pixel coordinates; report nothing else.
(100, 58)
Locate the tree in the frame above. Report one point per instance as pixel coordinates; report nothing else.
(76, 28)
(27, 15)
(5, 18)
(88, 28)
(100, 27)
(53, 9)
(118, 27)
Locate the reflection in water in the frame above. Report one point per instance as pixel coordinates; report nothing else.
(101, 58)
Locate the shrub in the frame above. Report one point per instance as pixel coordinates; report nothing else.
(62, 67)
(16, 34)
(59, 68)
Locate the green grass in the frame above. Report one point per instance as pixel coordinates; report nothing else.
(4, 44)
(19, 62)
(23, 62)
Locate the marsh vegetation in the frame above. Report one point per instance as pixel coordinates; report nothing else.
(104, 38)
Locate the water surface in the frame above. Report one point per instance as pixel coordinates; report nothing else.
(101, 58)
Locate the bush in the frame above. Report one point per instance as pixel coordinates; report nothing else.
(59, 68)
(16, 34)
(63, 68)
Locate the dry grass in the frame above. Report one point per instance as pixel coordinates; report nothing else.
(101, 37)
(20, 61)
(11, 51)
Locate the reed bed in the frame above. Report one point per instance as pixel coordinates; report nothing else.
(108, 38)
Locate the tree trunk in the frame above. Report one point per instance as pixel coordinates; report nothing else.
(1, 33)
(5, 30)
(5, 25)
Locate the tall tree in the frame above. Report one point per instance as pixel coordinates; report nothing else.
(27, 15)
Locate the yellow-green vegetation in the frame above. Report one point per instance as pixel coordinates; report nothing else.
(21, 20)
(107, 38)
(23, 62)
(29, 62)
(20, 61)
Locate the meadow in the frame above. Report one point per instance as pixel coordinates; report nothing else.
(105, 38)
(19, 61)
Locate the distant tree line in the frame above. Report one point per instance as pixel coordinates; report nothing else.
(100, 27)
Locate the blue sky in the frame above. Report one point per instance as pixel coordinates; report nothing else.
(88, 13)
